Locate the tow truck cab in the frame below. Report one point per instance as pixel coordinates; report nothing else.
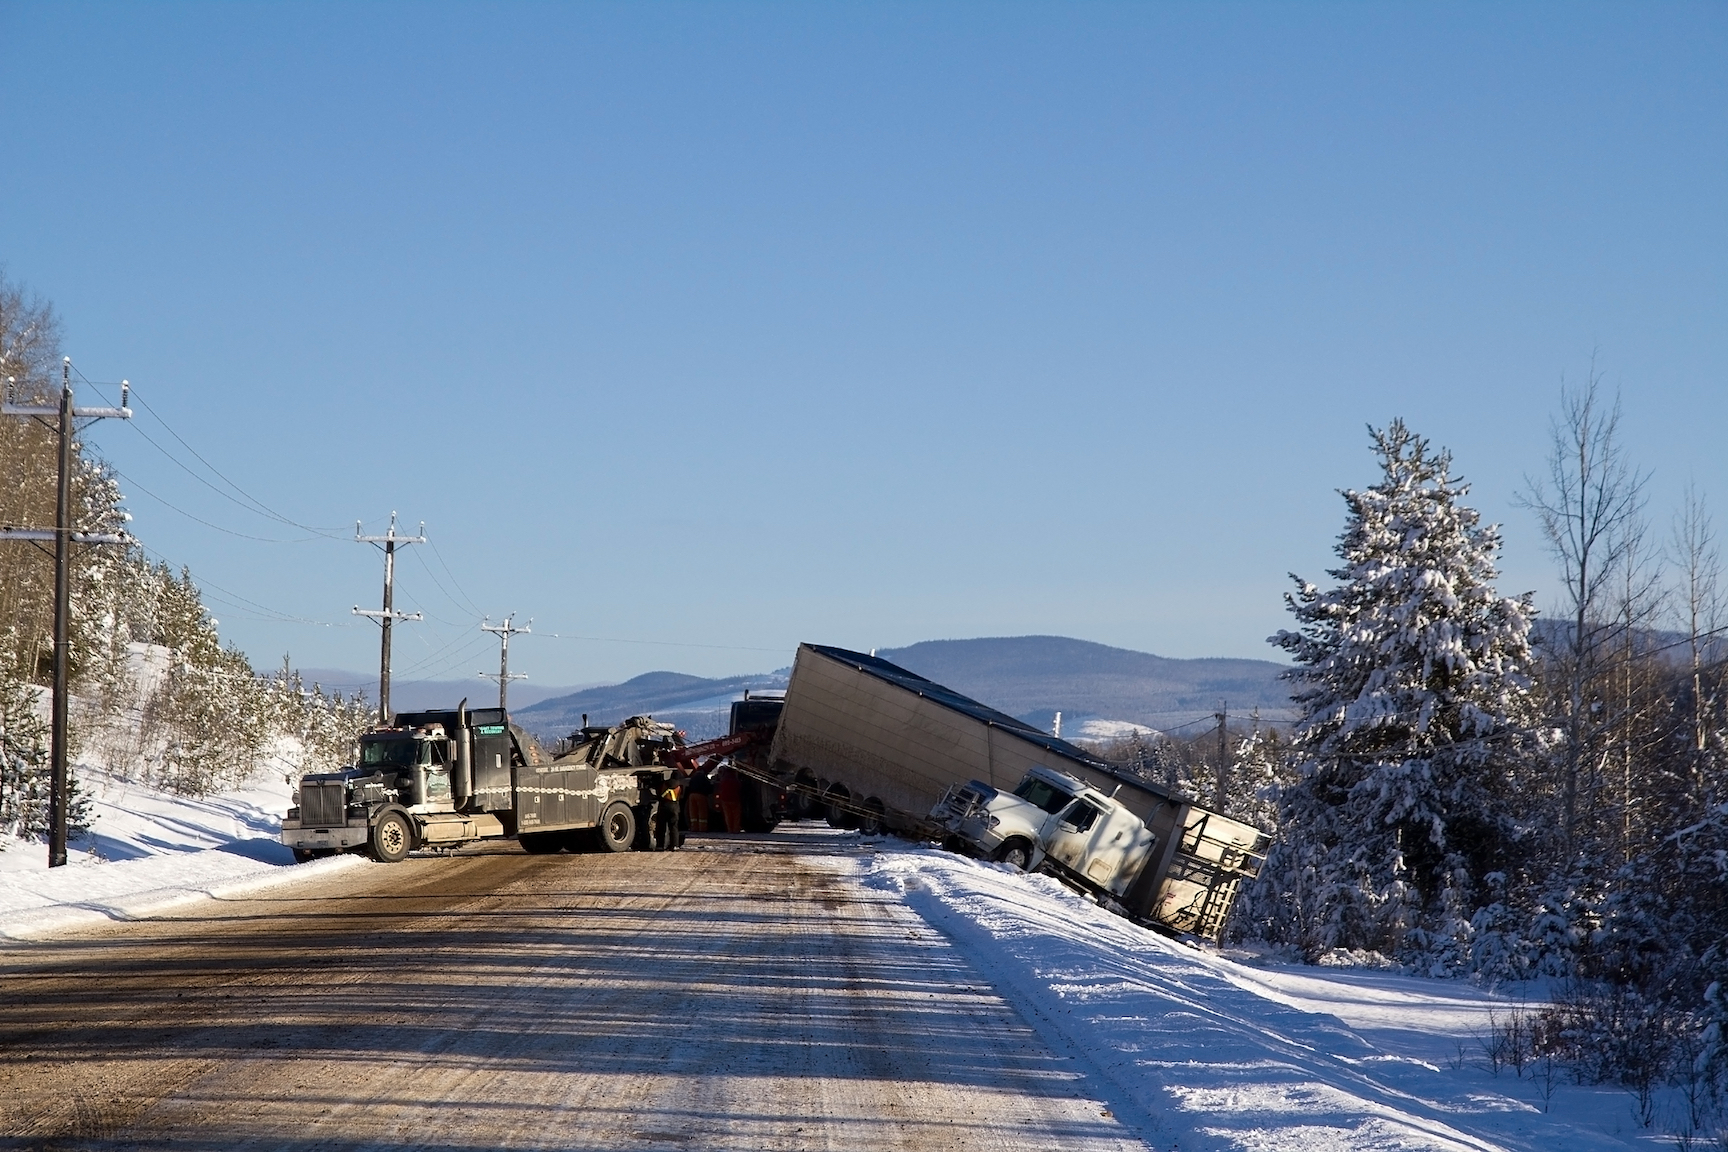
(407, 768)
(447, 776)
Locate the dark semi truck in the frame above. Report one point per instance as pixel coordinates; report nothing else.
(451, 777)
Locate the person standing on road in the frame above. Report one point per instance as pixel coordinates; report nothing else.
(697, 795)
(729, 791)
(666, 816)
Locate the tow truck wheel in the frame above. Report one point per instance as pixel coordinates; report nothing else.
(392, 838)
(1017, 854)
(618, 828)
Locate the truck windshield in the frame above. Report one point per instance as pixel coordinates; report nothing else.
(397, 752)
(1044, 795)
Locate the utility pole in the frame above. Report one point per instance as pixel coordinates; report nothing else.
(1222, 716)
(63, 537)
(389, 615)
(504, 675)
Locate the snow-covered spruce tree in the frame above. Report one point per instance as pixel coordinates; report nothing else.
(25, 773)
(23, 759)
(1411, 677)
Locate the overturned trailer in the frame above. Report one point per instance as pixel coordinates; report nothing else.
(868, 735)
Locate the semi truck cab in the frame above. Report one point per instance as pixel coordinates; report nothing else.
(1005, 826)
(405, 769)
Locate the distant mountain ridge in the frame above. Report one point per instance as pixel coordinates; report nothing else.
(698, 705)
(1034, 677)
(1028, 677)
(415, 695)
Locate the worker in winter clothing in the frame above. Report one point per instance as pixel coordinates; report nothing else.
(729, 791)
(666, 831)
(697, 795)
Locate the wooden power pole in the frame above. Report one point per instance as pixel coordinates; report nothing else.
(1223, 784)
(389, 615)
(63, 538)
(504, 631)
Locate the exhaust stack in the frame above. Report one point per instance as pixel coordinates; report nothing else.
(461, 781)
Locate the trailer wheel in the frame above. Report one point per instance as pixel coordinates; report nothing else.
(1016, 853)
(838, 817)
(540, 843)
(617, 827)
(802, 805)
(871, 825)
(392, 838)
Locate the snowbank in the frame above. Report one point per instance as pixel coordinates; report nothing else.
(147, 851)
(1198, 1051)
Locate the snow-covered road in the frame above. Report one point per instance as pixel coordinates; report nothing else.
(746, 996)
(808, 989)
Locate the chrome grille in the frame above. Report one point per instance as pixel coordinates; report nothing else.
(323, 805)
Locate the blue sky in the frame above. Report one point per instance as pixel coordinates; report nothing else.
(699, 330)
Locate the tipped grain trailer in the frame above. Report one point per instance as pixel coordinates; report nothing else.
(868, 735)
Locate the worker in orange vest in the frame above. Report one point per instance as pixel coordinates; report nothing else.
(697, 795)
(729, 792)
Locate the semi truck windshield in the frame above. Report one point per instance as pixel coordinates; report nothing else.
(396, 752)
(1046, 796)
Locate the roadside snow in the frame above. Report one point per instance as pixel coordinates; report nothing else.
(146, 851)
(1204, 1052)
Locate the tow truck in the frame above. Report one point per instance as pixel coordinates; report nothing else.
(451, 777)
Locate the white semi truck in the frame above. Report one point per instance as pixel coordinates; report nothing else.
(1182, 875)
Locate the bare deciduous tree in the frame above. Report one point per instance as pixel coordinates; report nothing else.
(1590, 507)
(1699, 605)
(29, 351)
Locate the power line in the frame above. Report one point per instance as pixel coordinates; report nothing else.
(420, 606)
(426, 671)
(254, 505)
(134, 484)
(432, 656)
(203, 583)
(427, 568)
(1209, 718)
(472, 607)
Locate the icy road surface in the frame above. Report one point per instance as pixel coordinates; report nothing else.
(755, 997)
(803, 990)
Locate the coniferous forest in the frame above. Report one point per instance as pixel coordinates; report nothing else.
(156, 696)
